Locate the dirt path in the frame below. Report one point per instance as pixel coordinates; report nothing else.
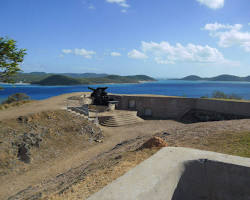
(47, 171)
(53, 103)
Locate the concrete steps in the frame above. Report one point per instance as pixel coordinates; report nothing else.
(120, 119)
(111, 119)
(76, 112)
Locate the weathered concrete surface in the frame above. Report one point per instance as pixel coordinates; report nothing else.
(167, 107)
(182, 173)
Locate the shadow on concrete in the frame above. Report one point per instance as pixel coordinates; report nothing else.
(212, 180)
(197, 115)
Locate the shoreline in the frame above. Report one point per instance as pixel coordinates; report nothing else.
(139, 82)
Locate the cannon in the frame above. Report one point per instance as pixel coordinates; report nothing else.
(100, 96)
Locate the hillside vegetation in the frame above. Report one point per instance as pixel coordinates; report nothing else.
(58, 80)
(66, 80)
(38, 76)
(223, 77)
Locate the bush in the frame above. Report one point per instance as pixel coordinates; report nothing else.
(16, 97)
(204, 97)
(234, 96)
(222, 95)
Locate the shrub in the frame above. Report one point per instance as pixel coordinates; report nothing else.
(219, 95)
(204, 97)
(222, 95)
(234, 96)
(16, 97)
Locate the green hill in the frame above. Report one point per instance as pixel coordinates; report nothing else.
(38, 76)
(43, 78)
(192, 78)
(66, 80)
(226, 77)
(223, 77)
(58, 80)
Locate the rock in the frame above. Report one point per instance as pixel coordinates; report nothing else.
(24, 119)
(25, 143)
(24, 153)
(118, 157)
(154, 142)
(32, 139)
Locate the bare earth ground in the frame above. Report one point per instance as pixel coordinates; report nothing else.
(83, 170)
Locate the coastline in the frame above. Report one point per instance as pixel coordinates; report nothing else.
(160, 87)
(2, 83)
(139, 82)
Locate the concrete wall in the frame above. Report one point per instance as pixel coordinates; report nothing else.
(175, 107)
(182, 174)
(229, 107)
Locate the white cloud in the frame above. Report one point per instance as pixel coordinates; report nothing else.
(213, 4)
(165, 53)
(136, 54)
(84, 53)
(230, 36)
(122, 3)
(216, 26)
(115, 54)
(67, 51)
(81, 52)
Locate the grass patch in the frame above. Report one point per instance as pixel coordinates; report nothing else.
(13, 104)
(231, 143)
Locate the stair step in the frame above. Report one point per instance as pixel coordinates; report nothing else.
(125, 115)
(117, 124)
(76, 113)
(121, 119)
(121, 122)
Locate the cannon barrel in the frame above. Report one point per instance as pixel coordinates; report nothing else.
(91, 88)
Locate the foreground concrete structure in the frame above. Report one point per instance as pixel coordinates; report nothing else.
(183, 174)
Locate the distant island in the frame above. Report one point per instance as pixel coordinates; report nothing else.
(223, 77)
(49, 79)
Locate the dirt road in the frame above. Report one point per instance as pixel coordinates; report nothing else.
(53, 103)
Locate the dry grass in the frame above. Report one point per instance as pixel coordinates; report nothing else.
(14, 104)
(234, 143)
(106, 174)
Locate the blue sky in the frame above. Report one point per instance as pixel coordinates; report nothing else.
(163, 38)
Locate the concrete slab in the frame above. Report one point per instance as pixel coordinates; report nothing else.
(183, 173)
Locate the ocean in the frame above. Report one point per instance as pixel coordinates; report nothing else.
(162, 87)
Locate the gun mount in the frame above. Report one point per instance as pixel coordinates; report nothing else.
(100, 96)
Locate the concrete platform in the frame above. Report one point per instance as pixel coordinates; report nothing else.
(183, 174)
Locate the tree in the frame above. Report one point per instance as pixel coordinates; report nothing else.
(10, 58)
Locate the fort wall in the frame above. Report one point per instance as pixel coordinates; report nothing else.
(165, 107)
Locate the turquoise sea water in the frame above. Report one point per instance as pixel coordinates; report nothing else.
(163, 87)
